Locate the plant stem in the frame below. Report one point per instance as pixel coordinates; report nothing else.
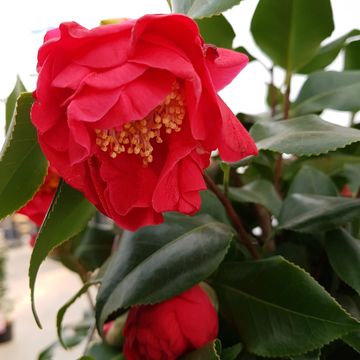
(239, 227)
(226, 169)
(89, 338)
(279, 160)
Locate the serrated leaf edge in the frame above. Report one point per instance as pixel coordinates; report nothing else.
(274, 354)
(310, 154)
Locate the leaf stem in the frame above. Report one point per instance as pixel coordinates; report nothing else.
(238, 225)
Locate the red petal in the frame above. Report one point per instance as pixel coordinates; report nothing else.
(197, 317)
(225, 67)
(180, 181)
(234, 142)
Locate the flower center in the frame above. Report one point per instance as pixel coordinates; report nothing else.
(136, 137)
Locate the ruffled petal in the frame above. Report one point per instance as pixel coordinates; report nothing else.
(181, 180)
(234, 142)
(225, 66)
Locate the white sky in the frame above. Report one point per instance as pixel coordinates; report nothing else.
(23, 24)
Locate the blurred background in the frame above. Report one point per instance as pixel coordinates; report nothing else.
(22, 27)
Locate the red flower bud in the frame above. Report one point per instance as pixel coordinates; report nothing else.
(171, 328)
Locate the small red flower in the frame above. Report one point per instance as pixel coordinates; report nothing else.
(128, 114)
(38, 206)
(171, 328)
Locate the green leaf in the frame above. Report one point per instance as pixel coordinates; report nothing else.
(210, 351)
(290, 31)
(232, 352)
(68, 215)
(329, 90)
(217, 31)
(48, 353)
(274, 96)
(309, 180)
(22, 164)
(352, 173)
(241, 49)
(353, 340)
(199, 8)
(158, 262)
(312, 355)
(314, 213)
(61, 313)
(303, 136)
(260, 192)
(327, 54)
(344, 255)
(103, 351)
(11, 102)
(278, 309)
(212, 206)
(331, 164)
(95, 245)
(352, 56)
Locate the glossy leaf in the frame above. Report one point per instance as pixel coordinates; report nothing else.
(95, 245)
(327, 54)
(276, 305)
(200, 8)
(303, 136)
(344, 255)
(309, 180)
(156, 263)
(259, 192)
(232, 352)
(290, 31)
(314, 213)
(212, 206)
(274, 96)
(22, 164)
(352, 173)
(217, 31)
(312, 355)
(211, 351)
(353, 340)
(103, 351)
(68, 215)
(329, 90)
(11, 101)
(352, 56)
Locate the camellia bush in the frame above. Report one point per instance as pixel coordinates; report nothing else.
(204, 235)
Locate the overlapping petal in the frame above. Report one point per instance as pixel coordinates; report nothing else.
(128, 114)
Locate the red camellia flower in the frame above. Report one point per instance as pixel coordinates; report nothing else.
(38, 206)
(128, 114)
(171, 328)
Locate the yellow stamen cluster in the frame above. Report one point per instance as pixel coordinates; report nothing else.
(135, 137)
